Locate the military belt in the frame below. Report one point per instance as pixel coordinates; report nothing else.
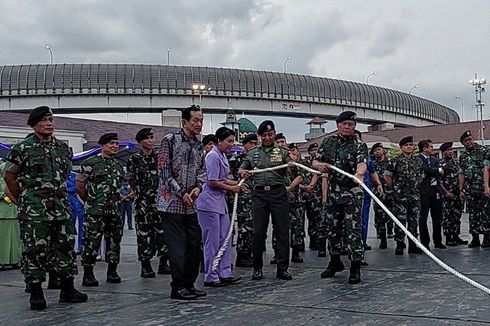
(268, 188)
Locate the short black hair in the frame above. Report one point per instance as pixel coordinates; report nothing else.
(209, 138)
(423, 144)
(279, 136)
(223, 133)
(358, 133)
(186, 113)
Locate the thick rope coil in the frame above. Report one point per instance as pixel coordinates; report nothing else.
(451, 270)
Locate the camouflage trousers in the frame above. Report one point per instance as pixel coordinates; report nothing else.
(149, 234)
(479, 218)
(96, 226)
(48, 246)
(313, 207)
(297, 224)
(245, 226)
(407, 212)
(451, 215)
(381, 220)
(342, 218)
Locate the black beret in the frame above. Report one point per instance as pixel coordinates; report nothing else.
(248, 138)
(465, 134)
(292, 146)
(346, 115)
(143, 134)
(105, 138)
(208, 138)
(377, 145)
(266, 126)
(446, 146)
(408, 139)
(37, 114)
(279, 136)
(312, 146)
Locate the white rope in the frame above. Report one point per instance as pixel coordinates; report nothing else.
(451, 270)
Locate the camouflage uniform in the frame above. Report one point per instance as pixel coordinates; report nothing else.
(142, 169)
(343, 210)
(44, 210)
(452, 207)
(313, 206)
(471, 163)
(296, 211)
(406, 173)
(102, 209)
(381, 219)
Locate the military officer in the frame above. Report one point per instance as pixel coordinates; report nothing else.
(36, 172)
(98, 185)
(312, 194)
(142, 174)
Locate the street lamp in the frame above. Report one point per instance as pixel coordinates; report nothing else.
(284, 66)
(374, 73)
(50, 53)
(413, 87)
(198, 88)
(462, 106)
(168, 56)
(478, 83)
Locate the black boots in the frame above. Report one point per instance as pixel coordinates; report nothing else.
(296, 257)
(413, 249)
(89, 277)
(146, 269)
(458, 240)
(244, 260)
(54, 282)
(475, 241)
(257, 274)
(383, 243)
(450, 240)
(313, 242)
(164, 267)
(322, 247)
(112, 276)
(334, 265)
(355, 272)
(400, 246)
(37, 300)
(486, 241)
(69, 294)
(283, 274)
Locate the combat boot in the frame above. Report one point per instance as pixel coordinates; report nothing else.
(244, 260)
(458, 240)
(89, 277)
(486, 241)
(475, 241)
(355, 272)
(54, 282)
(146, 269)
(322, 247)
(383, 243)
(296, 257)
(69, 294)
(112, 276)
(413, 249)
(313, 242)
(400, 246)
(37, 300)
(450, 241)
(163, 266)
(335, 265)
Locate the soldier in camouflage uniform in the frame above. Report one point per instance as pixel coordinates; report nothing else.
(452, 204)
(471, 186)
(98, 186)
(35, 174)
(403, 176)
(142, 174)
(342, 213)
(312, 194)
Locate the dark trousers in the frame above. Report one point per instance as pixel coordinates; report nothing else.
(183, 236)
(271, 202)
(127, 213)
(430, 202)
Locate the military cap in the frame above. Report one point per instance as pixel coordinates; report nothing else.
(37, 114)
(266, 126)
(143, 134)
(346, 115)
(408, 139)
(105, 138)
(446, 146)
(279, 136)
(465, 134)
(312, 146)
(248, 138)
(292, 146)
(377, 145)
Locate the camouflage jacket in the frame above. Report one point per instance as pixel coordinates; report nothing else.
(380, 169)
(42, 169)
(245, 197)
(471, 164)
(297, 193)
(104, 179)
(143, 170)
(317, 191)
(450, 178)
(406, 174)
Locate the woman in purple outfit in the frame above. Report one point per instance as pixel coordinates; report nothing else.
(212, 211)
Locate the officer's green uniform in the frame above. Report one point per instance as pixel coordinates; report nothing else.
(452, 207)
(102, 209)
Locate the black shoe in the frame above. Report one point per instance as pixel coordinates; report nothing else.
(355, 272)
(69, 294)
(450, 240)
(146, 269)
(284, 275)
(322, 247)
(367, 247)
(364, 263)
(182, 294)
(257, 274)
(400, 246)
(475, 241)
(244, 261)
(196, 292)
(439, 246)
(273, 261)
(413, 249)
(230, 280)
(37, 300)
(335, 265)
(296, 257)
(486, 241)
(163, 266)
(89, 277)
(458, 240)
(390, 235)
(28, 288)
(383, 243)
(54, 282)
(216, 284)
(313, 243)
(112, 276)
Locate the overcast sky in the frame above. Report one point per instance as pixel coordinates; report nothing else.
(437, 44)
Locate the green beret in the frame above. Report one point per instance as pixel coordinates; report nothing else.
(266, 126)
(37, 114)
(105, 138)
(465, 135)
(346, 115)
(143, 134)
(444, 147)
(405, 140)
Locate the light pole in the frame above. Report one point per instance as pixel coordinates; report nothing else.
(50, 53)
(478, 83)
(413, 87)
(374, 73)
(168, 56)
(284, 65)
(462, 106)
(198, 88)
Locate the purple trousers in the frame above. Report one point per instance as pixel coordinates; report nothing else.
(214, 228)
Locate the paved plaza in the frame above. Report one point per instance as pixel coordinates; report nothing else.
(406, 290)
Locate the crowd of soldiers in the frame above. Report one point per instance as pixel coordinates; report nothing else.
(166, 223)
